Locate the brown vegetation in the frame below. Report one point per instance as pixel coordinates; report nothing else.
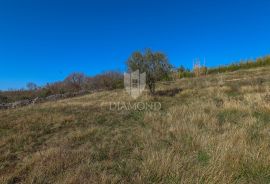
(214, 131)
(74, 83)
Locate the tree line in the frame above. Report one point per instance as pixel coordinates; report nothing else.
(183, 72)
(73, 83)
(155, 64)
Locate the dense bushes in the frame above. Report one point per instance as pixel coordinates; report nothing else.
(186, 73)
(242, 65)
(75, 82)
(78, 81)
(183, 72)
(108, 81)
(11, 96)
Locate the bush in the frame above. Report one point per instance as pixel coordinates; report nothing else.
(3, 99)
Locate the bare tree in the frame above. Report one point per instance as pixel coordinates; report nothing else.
(76, 81)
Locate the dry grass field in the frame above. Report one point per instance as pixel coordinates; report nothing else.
(216, 130)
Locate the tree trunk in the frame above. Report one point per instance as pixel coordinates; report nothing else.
(152, 88)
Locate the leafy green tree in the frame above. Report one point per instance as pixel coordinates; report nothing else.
(154, 64)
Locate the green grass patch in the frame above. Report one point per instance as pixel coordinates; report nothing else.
(203, 157)
(233, 116)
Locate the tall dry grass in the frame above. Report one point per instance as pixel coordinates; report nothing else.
(214, 131)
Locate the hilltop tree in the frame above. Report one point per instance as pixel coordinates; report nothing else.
(154, 64)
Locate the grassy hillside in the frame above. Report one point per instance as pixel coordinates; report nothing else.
(216, 130)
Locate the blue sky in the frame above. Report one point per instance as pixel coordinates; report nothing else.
(45, 40)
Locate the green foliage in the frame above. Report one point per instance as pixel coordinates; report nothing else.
(260, 62)
(184, 73)
(3, 99)
(155, 65)
(230, 116)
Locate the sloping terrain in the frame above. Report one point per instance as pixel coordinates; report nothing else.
(216, 130)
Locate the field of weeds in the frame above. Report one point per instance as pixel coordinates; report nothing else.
(215, 130)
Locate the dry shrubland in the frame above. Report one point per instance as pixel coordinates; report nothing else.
(216, 130)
